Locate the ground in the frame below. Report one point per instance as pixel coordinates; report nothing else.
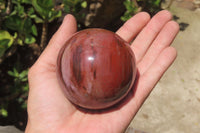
(174, 104)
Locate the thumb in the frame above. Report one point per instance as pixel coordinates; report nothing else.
(65, 31)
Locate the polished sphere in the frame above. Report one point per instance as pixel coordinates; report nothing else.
(96, 68)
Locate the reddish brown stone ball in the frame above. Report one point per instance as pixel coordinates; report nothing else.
(96, 68)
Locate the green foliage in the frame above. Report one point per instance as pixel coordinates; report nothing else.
(22, 27)
(25, 13)
(130, 10)
(46, 10)
(74, 7)
(20, 85)
(18, 28)
(19, 77)
(134, 6)
(3, 112)
(19, 21)
(6, 41)
(84, 4)
(153, 5)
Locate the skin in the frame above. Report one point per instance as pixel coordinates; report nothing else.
(48, 109)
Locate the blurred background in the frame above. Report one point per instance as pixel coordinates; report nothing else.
(27, 25)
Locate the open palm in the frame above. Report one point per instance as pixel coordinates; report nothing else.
(48, 109)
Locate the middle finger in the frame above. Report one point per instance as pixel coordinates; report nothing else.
(143, 41)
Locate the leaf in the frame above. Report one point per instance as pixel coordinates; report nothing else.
(6, 35)
(74, 6)
(130, 10)
(4, 112)
(16, 74)
(15, 1)
(67, 8)
(43, 7)
(84, 4)
(23, 74)
(26, 88)
(54, 14)
(24, 79)
(15, 35)
(4, 43)
(27, 26)
(11, 73)
(46, 4)
(38, 19)
(30, 11)
(20, 10)
(20, 100)
(29, 39)
(6, 40)
(13, 22)
(24, 105)
(19, 41)
(34, 30)
(26, 1)
(157, 2)
(13, 13)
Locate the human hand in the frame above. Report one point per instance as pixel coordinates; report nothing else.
(49, 111)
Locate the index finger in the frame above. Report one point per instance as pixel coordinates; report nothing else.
(133, 26)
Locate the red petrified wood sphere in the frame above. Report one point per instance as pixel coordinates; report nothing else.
(96, 68)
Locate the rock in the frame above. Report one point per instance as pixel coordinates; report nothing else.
(132, 130)
(9, 129)
(197, 2)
